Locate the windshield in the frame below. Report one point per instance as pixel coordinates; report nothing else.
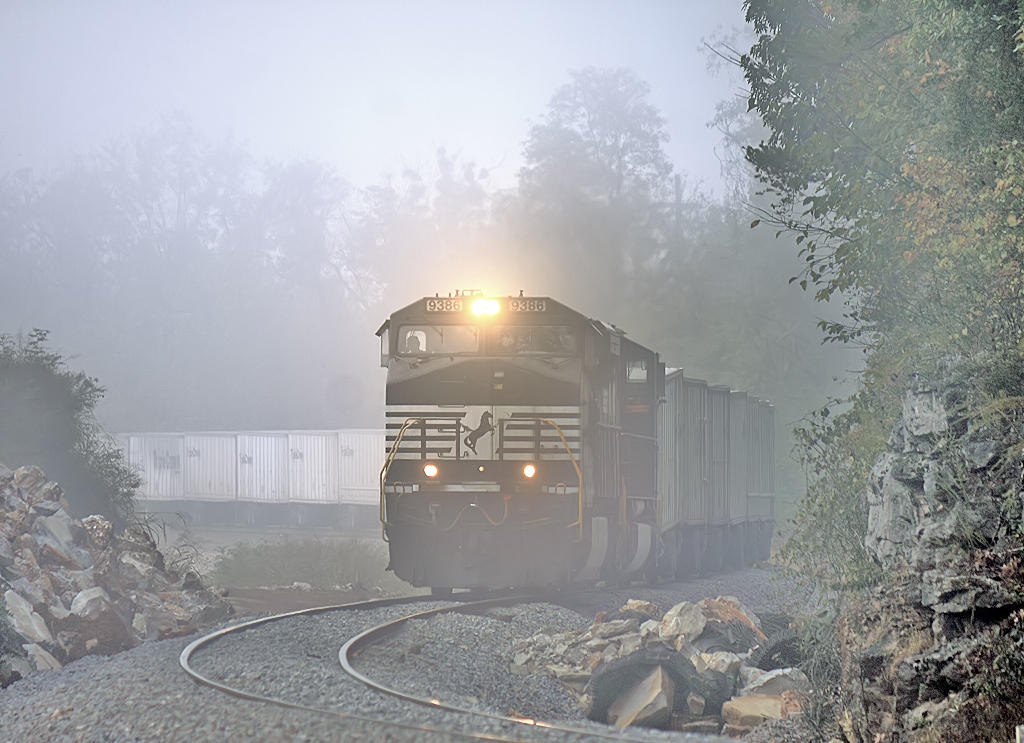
(546, 339)
(438, 340)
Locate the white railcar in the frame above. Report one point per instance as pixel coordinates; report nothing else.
(253, 476)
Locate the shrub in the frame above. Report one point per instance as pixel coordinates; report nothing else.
(47, 419)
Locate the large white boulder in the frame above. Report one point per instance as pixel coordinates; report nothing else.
(27, 623)
(684, 620)
(775, 682)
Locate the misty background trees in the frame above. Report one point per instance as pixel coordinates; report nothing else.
(210, 290)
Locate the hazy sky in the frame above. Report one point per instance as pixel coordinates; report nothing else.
(369, 87)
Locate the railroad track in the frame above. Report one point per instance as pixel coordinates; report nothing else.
(449, 719)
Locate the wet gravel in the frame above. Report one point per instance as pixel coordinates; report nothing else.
(142, 695)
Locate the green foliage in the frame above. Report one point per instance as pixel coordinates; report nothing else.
(837, 452)
(325, 564)
(893, 161)
(46, 419)
(892, 145)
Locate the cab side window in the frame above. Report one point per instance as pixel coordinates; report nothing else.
(636, 370)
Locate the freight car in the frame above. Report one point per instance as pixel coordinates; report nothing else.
(291, 478)
(529, 445)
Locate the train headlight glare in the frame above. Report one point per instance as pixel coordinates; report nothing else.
(485, 307)
(529, 470)
(430, 470)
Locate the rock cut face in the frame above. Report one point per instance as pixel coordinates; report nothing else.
(925, 654)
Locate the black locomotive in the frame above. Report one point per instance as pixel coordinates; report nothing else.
(529, 445)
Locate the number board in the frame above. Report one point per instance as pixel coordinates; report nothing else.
(437, 304)
(527, 305)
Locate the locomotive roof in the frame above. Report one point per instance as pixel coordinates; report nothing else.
(553, 312)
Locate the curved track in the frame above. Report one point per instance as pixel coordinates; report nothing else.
(376, 635)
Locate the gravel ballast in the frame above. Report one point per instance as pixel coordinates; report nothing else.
(142, 695)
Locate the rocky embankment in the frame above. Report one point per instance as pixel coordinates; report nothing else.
(935, 652)
(74, 587)
(693, 668)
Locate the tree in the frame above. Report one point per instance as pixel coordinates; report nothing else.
(427, 232)
(210, 291)
(893, 155)
(591, 193)
(600, 137)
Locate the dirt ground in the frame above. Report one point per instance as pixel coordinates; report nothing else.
(208, 541)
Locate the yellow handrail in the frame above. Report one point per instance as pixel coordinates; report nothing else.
(579, 475)
(384, 472)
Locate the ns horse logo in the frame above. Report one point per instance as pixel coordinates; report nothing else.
(475, 434)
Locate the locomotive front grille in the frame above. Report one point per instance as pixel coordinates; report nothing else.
(484, 434)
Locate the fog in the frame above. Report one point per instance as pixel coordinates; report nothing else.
(370, 88)
(212, 208)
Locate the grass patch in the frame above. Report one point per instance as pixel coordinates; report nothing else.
(324, 563)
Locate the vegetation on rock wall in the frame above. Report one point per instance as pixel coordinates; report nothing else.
(894, 161)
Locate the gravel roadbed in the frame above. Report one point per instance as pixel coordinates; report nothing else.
(464, 659)
(142, 695)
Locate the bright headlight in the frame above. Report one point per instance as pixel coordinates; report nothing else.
(430, 470)
(485, 306)
(529, 470)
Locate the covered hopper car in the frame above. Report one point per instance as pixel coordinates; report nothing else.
(529, 445)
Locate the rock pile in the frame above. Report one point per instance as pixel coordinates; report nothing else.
(74, 588)
(935, 653)
(690, 668)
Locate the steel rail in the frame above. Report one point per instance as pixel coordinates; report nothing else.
(185, 661)
(369, 637)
